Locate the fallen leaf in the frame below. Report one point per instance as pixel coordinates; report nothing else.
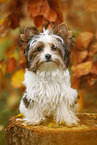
(20, 115)
(83, 40)
(11, 65)
(17, 78)
(83, 69)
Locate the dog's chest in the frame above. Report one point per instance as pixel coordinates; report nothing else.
(46, 87)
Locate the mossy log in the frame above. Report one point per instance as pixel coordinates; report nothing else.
(85, 133)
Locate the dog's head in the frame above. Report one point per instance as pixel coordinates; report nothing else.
(47, 47)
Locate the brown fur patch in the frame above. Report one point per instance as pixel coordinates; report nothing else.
(67, 35)
(24, 38)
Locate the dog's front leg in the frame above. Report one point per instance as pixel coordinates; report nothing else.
(31, 111)
(63, 114)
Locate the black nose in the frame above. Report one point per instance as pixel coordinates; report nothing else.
(48, 56)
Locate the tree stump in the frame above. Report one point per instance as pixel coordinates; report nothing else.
(85, 133)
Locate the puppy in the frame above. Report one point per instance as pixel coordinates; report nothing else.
(47, 80)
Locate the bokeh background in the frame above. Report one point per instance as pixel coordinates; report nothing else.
(81, 17)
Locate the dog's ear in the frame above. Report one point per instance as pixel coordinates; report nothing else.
(24, 38)
(63, 31)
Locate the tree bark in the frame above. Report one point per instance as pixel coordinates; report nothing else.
(85, 133)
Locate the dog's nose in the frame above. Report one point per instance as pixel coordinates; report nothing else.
(48, 56)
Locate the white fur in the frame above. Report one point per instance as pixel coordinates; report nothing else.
(46, 37)
(51, 91)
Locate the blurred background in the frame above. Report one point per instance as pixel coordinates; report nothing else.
(81, 17)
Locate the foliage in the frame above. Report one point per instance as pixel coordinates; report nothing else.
(81, 17)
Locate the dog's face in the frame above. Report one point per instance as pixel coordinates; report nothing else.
(46, 47)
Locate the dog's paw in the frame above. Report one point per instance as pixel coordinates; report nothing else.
(74, 121)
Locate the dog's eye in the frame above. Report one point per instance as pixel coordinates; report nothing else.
(39, 49)
(54, 47)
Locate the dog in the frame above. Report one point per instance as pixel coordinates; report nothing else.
(47, 79)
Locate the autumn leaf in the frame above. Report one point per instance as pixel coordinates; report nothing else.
(51, 15)
(91, 6)
(81, 94)
(83, 40)
(92, 79)
(11, 65)
(20, 115)
(93, 49)
(1, 74)
(41, 7)
(2, 68)
(75, 82)
(78, 56)
(22, 61)
(14, 20)
(83, 69)
(38, 20)
(56, 6)
(44, 10)
(16, 7)
(94, 68)
(2, 1)
(12, 100)
(17, 78)
(11, 21)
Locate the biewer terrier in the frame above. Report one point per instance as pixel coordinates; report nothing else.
(47, 80)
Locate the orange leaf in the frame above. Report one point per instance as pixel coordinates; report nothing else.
(17, 78)
(55, 5)
(51, 15)
(75, 82)
(81, 94)
(83, 69)
(94, 68)
(38, 20)
(92, 79)
(2, 1)
(14, 19)
(79, 56)
(11, 65)
(41, 7)
(1, 74)
(11, 21)
(22, 61)
(83, 40)
(93, 49)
